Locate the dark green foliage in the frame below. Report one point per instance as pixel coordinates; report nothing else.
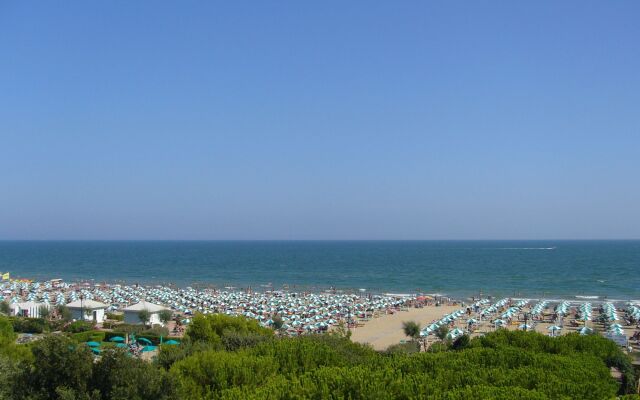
(411, 329)
(212, 327)
(4, 307)
(28, 325)
(278, 322)
(44, 311)
(165, 316)
(89, 336)
(403, 348)
(231, 358)
(59, 363)
(119, 376)
(232, 340)
(442, 331)
(461, 343)
(144, 316)
(78, 326)
(169, 355)
(115, 317)
(156, 331)
(64, 312)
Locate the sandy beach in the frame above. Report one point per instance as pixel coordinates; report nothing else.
(386, 330)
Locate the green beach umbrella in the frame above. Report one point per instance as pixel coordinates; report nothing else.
(149, 348)
(171, 342)
(117, 339)
(93, 344)
(586, 331)
(554, 328)
(95, 350)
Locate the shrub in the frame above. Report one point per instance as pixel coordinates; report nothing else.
(115, 317)
(78, 326)
(28, 325)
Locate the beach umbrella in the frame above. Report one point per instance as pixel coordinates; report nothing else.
(144, 340)
(93, 344)
(95, 350)
(121, 345)
(149, 348)
(554, 328)
(525, 326)
(453, 334)
(117, 339)
(585, 331)
(172, 342)
(471, 321)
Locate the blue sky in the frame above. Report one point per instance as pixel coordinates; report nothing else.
(301, 120)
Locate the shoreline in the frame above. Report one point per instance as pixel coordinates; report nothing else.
(470, 296)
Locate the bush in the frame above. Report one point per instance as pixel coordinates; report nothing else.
(28, 325)
(403, 348)
(109, 335)
(115, 317)
(78, 326)
(89, 336)
(156, 331)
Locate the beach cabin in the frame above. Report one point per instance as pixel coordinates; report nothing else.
(94, 311)
(29, 309)
(131, 313)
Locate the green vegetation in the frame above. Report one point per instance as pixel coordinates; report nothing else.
(144, 316)
(234, 358)
(165, 316)
(411, 329)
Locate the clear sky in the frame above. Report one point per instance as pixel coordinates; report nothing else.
(319, 120)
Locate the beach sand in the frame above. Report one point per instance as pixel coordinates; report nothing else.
(386, 330)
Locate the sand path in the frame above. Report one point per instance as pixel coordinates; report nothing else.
(386, 330)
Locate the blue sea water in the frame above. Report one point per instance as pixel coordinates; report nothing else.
(459, 268)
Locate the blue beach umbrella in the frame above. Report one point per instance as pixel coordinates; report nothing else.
(117, 339)
(171, 342)
(93, 344)
(144, 340)
(121, 345)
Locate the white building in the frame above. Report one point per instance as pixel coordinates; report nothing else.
(29, 309)
(132, 313)
(94, 311)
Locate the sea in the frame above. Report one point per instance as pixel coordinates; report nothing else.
(462, 269)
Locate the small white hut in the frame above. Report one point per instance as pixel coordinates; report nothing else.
(132, 313)
(93, 310)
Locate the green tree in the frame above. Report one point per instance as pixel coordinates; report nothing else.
(64, 312)
(411, 329)
(278, 322)
(5, 308)
(44, 311)
(165, 316)
(212, 327)
(60, 363)
(442, 331)
(117, 376)
(144, 316)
